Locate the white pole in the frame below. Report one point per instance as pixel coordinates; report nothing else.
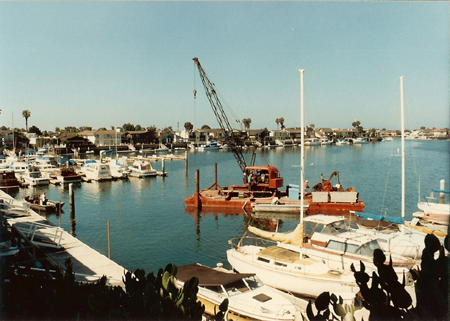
(403, 146)
(302, 148)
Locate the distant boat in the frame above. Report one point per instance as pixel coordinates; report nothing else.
(312, 142)
(8, 180)
(360, 140)
(209, 146)
(96, 171)
(142, 169)
(33, 177)
(67, 175)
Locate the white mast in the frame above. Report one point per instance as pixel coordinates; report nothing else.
(302, 148)
(403, 148)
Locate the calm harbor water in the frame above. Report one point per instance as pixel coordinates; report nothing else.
(150, 226)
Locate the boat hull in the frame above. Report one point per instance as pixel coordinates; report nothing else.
(295, 282)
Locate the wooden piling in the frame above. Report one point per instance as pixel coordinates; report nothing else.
(215, 175)
(109, 241)
(72, 209)
(198, 203)
(163, 166)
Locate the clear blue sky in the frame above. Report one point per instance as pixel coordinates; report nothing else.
(103, 64)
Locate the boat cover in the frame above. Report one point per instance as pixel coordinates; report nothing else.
(208, 276)
(392, 219)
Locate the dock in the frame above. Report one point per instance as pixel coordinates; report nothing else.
(59, 245)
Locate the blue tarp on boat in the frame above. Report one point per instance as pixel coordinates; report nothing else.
(446, 191)
(393, 219)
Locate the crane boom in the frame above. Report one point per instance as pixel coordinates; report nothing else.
(222, 119)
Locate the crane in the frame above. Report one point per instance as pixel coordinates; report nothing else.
(231, 139)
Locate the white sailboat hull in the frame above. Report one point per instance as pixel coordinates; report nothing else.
(287, 278)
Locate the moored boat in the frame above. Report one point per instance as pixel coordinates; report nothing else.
(8, 180)
(33, 177)
(434, 210)
(142, 169)
(288, 269)
(96, 171)
(248, 298)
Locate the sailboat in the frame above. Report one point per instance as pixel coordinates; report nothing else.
(406, 241)
(284, 266)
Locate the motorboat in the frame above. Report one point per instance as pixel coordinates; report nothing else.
(325, 141)
(19, 168)
(360, 140)
(141, 168)
(209, 146)
(46, 206)
(95, 170)
(8, 180)
(67, 175)
(248, 297)
(33, 177)
(313, 141)
(287, 269)
(119, 168)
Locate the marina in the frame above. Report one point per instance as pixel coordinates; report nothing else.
(143, 212)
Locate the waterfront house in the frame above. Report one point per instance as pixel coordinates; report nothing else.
(101, 137)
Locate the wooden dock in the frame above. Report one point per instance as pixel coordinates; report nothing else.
(58, 245)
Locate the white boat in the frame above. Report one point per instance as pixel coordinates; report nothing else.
(360, 140)
(342, 142)
(33, 177)
(435, 210)
(286, 268)
(119, 168)
(332, 238)
(142, 169)
(388, 139)
(209, 146)
(94, 170)
(248, 298)
(313, 141)
(19, 168)
(325, 141)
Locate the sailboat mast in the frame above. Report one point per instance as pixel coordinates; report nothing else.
(302, 148)
(403, 145)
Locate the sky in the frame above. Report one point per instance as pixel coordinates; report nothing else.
(104, 64)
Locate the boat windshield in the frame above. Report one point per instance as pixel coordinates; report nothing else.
(336, 228)
(236, 287)
(253, 282)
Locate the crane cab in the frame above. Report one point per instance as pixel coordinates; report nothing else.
(263, 178)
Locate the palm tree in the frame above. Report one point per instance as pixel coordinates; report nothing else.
(281, 120)
(277, 121)
(247, 122)
(26, 114)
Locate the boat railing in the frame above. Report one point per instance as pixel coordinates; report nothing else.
(237, 242)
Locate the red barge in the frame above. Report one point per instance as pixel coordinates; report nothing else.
(263, 192)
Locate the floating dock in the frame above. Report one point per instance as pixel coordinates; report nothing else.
(58, 245)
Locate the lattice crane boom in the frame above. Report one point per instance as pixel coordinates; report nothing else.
(222, 119)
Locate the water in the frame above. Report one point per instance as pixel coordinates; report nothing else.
(150, 227)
